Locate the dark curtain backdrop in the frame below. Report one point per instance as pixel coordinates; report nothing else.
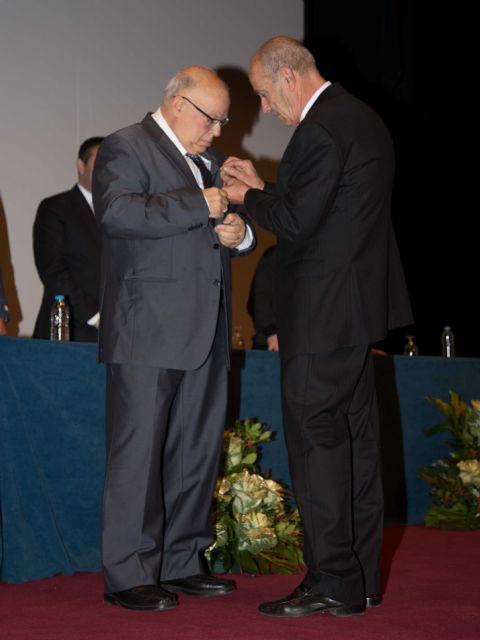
(371, 49)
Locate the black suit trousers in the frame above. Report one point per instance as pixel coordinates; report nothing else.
(331, 429)
(164, 436)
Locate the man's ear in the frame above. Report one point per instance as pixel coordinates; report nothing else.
(178, 103)
(288, 76)
(80, 167)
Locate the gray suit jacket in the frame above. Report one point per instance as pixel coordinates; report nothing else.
(163, 271)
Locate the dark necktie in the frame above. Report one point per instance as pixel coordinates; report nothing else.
(206, 175)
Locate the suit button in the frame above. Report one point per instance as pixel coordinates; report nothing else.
(217, 283)
(216, 246)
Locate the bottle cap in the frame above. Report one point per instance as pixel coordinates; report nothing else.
(447, 328)
(59, 297)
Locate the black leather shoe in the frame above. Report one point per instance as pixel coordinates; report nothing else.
(373, 601)
(200, 585)
(145, 598)
(305, 602)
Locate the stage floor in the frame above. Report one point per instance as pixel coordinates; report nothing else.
(431, 593)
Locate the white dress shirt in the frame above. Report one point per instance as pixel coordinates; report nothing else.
(167, 130)
(94, 320)
(309, 104)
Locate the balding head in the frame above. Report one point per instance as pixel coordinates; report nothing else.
(283, 51)
(284, 75)
(195, 105)
(193, 77)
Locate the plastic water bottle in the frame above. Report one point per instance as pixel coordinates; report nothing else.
(448, 343)
(60, 319)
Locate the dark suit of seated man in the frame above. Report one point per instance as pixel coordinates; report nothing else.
(66, 246)
(261, 304)
(165, 337)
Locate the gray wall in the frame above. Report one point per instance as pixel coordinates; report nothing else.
(72, 69)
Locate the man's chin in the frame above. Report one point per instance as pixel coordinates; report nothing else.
(284, 120)
(203, 146)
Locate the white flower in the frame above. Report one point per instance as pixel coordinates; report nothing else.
(470, 472)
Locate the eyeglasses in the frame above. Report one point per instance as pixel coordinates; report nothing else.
(212, 122)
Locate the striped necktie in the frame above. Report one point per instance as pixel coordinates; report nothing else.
(205, 173)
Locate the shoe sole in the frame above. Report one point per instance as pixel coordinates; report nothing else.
(345, 612)
(108, 600)
(174, 589)
(340, 612)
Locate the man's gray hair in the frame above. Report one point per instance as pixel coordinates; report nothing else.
(283, 51)
(177, 85)
(190, 78)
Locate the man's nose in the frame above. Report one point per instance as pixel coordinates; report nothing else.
(265, 105)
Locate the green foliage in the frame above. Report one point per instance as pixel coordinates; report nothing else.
(455, 479)
(255, 530)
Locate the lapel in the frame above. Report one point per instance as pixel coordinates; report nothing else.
(167, 147)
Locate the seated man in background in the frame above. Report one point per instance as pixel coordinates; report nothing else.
(66, 246)
(4, 314)
(260, 303)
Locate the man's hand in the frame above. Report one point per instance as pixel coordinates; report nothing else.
(232, 230)
(236, 190)
(217, 201)
(242, 170)
(238, 177)
(3, 327)
(272, 342)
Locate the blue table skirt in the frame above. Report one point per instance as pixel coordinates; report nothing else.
(52, 443)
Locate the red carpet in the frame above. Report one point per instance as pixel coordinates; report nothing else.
(431, 593)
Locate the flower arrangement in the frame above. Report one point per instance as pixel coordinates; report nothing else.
(255, 530)
(455, 479)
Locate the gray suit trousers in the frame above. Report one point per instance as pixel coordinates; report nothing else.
(164, 430)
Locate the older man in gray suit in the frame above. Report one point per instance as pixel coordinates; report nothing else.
(164, 334)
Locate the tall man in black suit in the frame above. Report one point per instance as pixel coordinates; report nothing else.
(339, 287)
(66, 247)
(165, 336)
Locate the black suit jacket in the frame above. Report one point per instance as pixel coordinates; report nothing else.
(339, 276)
(66, 246)
(163, 270)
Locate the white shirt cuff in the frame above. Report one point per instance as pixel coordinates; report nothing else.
(247, 241)
(94, 320)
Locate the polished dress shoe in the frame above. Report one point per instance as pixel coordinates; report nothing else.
(373, 601)
(201, 584)
(305, 602)
(148, 597)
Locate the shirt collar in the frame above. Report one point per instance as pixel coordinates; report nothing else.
(310, 103)
(168, 131)
(86, 194)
